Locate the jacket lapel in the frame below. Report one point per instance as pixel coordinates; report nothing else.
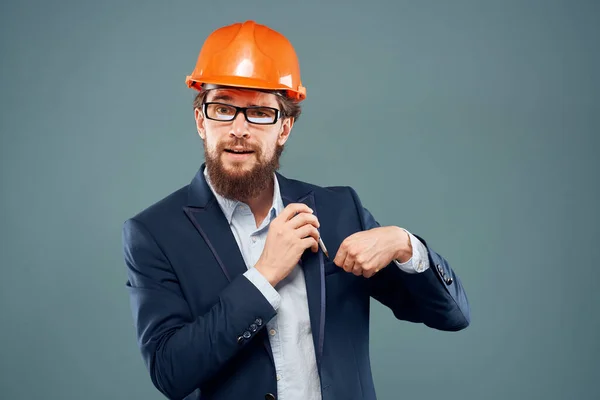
(312, 265)
(206, 215)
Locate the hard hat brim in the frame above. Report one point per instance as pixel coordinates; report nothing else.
(246, 83)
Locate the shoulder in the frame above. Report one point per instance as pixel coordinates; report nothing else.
(163, 209)
(326, 193)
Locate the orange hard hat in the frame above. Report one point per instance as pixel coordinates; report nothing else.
(248, 55)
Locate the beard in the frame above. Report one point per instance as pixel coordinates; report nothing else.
(237, 183)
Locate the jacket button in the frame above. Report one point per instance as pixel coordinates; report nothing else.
(246, 335)
(440, 269)
(253, 327)
(449, 280)
(258, 321)
(269, 396)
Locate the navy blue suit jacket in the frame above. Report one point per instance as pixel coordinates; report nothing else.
(192, 305)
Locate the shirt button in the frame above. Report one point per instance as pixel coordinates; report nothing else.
(253, 239)
(278, 377)
(272, 332)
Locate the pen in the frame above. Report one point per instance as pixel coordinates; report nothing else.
(323, 247)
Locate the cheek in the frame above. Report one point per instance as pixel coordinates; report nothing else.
(270, 143)
(215, 132)
(211, 143)
(212, 138)
(267, 150)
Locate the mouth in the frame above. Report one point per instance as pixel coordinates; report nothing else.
(238, 151)
(238, 154)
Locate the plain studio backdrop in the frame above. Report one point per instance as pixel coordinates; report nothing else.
(472, 123)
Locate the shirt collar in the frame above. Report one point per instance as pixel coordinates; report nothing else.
(228, 206)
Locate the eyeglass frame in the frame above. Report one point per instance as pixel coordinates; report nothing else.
(243, 110)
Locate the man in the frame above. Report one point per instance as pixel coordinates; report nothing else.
(232, 291)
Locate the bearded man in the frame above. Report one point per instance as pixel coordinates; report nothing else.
(246, 284)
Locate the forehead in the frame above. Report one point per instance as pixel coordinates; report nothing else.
(242, 97)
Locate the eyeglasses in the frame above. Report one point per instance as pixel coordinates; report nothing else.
(254, 115)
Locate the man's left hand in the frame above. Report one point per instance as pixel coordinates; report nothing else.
(367, 252)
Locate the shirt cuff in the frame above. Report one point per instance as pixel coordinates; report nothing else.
(419, 262)
(264, 286)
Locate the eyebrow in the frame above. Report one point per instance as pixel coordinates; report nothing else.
(225, 97)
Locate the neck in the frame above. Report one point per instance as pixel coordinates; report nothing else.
(261, 204)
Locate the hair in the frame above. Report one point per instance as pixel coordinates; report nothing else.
(289, 108)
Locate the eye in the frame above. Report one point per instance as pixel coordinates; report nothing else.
(261, 112)
(224, 110)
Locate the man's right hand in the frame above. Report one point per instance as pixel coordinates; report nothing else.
(290, 233)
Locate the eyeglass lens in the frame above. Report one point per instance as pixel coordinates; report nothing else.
(257, 115)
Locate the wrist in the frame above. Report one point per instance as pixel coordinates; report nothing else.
(265, 273)
(402, 245)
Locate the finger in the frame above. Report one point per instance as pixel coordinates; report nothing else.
(307, 230)
(369, 273)
(310, 242)
(303, 218)
(315, 247)
(357, 269)
(294, 208)
(348, 264)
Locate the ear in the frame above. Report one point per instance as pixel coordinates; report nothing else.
(286, 128)
(200, 123)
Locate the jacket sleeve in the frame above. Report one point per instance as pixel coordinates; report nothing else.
(183, 351)
(435, 297)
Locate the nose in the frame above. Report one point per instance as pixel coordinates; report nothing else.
(239, 126)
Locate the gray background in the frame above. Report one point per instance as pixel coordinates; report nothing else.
(474, 124)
